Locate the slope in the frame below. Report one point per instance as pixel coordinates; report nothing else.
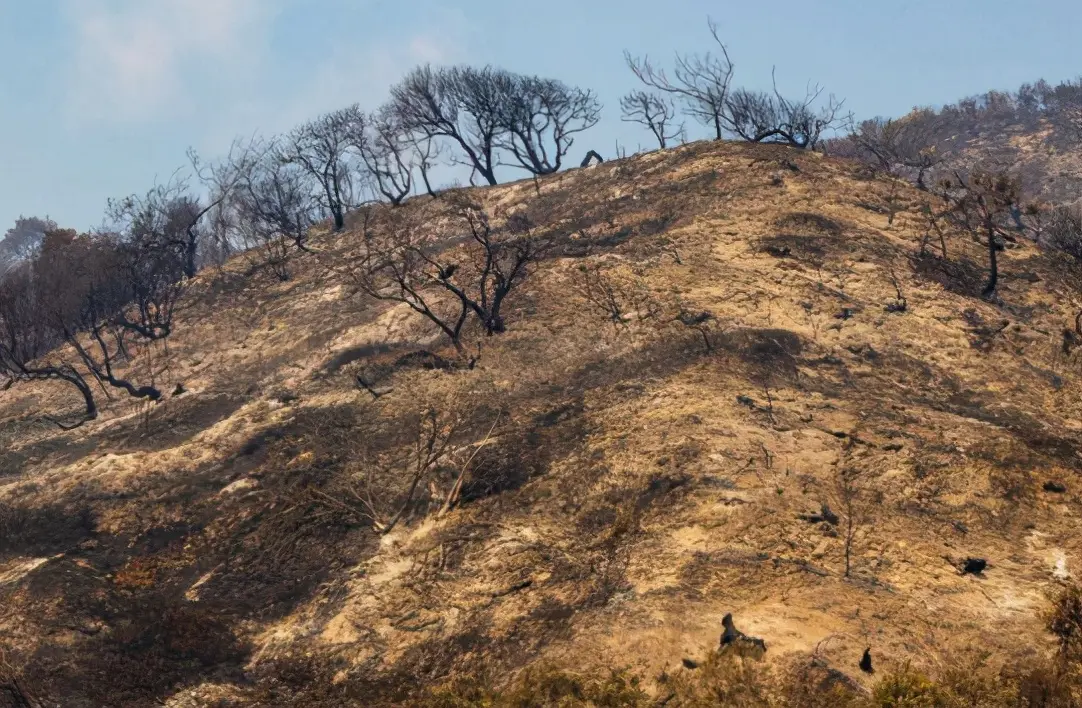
(628, 482)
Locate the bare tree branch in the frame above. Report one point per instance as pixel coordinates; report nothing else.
(700, 81)
(653, 111)
(322, 149)
(541, 118)
(771, 118)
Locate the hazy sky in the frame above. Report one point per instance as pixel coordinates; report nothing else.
(100, 98)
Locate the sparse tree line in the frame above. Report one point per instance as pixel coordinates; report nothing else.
(937, 131)
(79, 308)
(110, 294)
(985, 201)
(986, 204)
(700, 84)
(1028, 102)
(918, 148)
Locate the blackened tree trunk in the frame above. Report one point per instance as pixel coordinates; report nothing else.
(993, 264)
(74, 378)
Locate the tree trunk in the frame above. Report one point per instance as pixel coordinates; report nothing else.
(189, 263)
(993, 266)
(428, 185)
(78, 382)
(88, 399)
(134, 391)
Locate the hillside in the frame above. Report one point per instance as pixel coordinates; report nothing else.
(626, 481)
(1040, 149)
(1033, 133)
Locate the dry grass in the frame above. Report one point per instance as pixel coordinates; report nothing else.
(626, 479)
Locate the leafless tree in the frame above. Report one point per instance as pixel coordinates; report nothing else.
(389, 154)
(460, 104)
(700, 81)
(488, 112)
(761, 117)
(540, 118)
(217, 224)
(375, 493)
(897, 147)
(106, 296)
(275, 207)
(427, 153)
(172, 217)
(620, 297)
(28, 344)
(166, 217)
(935, 218)
(653, 111)
(403, 261)
(427, 469)
(850, 500)
(984, 204)
(322, 149)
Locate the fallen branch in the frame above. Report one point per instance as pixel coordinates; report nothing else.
(456, 489)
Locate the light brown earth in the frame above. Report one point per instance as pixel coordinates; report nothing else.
(636, 485)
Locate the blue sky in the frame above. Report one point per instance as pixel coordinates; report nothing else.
(100, 98)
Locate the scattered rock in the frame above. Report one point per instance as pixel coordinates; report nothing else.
(892, 447)
(825, 515)
(689, 663)
(1059, 569)
(179, 390)
(745, 401)
(866, 662)
(692, 319)
(742, 643)
(845, 314)
(974, 566)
